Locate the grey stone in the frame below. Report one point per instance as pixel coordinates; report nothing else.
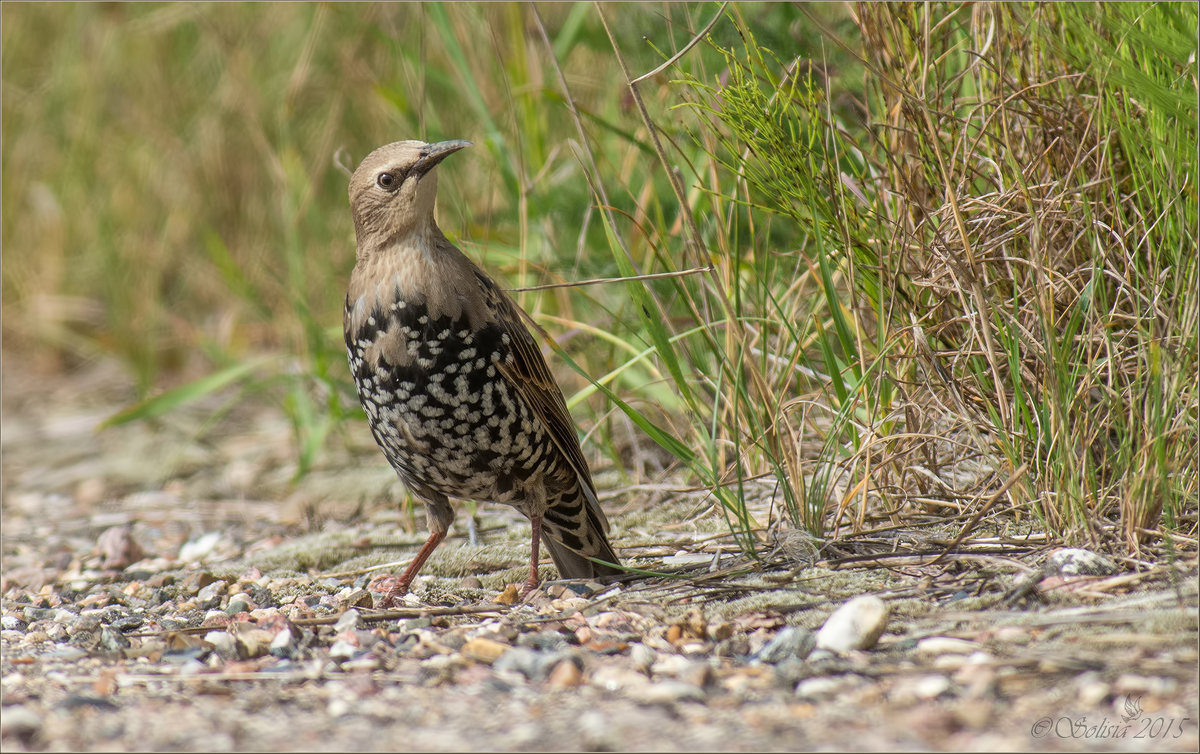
(791, 642)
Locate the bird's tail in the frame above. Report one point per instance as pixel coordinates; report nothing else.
(574, 529)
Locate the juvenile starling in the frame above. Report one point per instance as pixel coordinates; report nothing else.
(456, 390)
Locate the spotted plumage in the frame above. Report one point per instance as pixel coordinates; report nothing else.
(455, 389)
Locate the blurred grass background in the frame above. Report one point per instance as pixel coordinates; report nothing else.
(946, 253)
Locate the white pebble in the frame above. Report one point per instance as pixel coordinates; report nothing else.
(855, 625)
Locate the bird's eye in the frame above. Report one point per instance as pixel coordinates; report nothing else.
(386, 181)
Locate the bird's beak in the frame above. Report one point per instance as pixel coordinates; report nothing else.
(432, 154)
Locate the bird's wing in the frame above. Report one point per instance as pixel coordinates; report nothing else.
(531, 377)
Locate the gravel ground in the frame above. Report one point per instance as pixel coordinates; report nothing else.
(166, 586)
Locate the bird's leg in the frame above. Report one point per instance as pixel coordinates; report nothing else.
(440, 515)
(410, 573)
(532, 583)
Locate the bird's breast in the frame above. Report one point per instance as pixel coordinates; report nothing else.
(439, 403)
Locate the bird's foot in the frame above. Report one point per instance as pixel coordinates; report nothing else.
(393, 598)
(530, 588)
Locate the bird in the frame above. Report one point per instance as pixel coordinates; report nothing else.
(456, 391)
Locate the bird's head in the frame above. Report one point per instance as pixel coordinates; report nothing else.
(392, 192)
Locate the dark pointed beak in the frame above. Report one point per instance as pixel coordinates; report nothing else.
(432, 154)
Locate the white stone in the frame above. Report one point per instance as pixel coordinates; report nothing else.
(855, 625)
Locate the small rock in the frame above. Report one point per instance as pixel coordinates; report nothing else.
(20, 722)
(242, 601)
(523, 661)
(791, 642)
(216, 619)
(199, 549)
(509, 596)
(12, 623)
(159, 580)
(720, 631)
(117, 548)
(616, 678)
(955, 661)
(67, 617)
(35, 614)
(942, 645)
(66, 654)
(209, 597)
(855, 625)
(347, 621)
(222, 644)
(112, 640)
(978, 679)
(1092, 689)
(693, 672)
(1075, 561)
(284, 644)
(342, 650)
(1128, 683)
(357, 598)
(735, 646)
(922, 688)
(826, 687)
(694, 624)
(484, 650)
(252, 643)
(197, 580)
(666, 692)
(362, 664)
(472, 582)
(643, 657)
(128, 623)
(1013, 634)
(565, 674)
(543, 640)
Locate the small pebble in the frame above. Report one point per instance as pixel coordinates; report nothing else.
(666, 692)
(252, 643)
(544, 640)
(484, 650)
(222, 644)
(112, 640)
(825, 688)
(791, 642)
(216, 619)
(643, 657)
(209, 597)
(1075, 561)
(955, 661)
(347, 621)
(616, 678)
(720, 631)
(941, 645)
(855, 625)
(509, 596)
(199, 549)
(1091, 689)
(565, 674)
(117, 548)
(284, 643)
(520, 660)
(921, 688)
(18, 721)
(12, 623)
